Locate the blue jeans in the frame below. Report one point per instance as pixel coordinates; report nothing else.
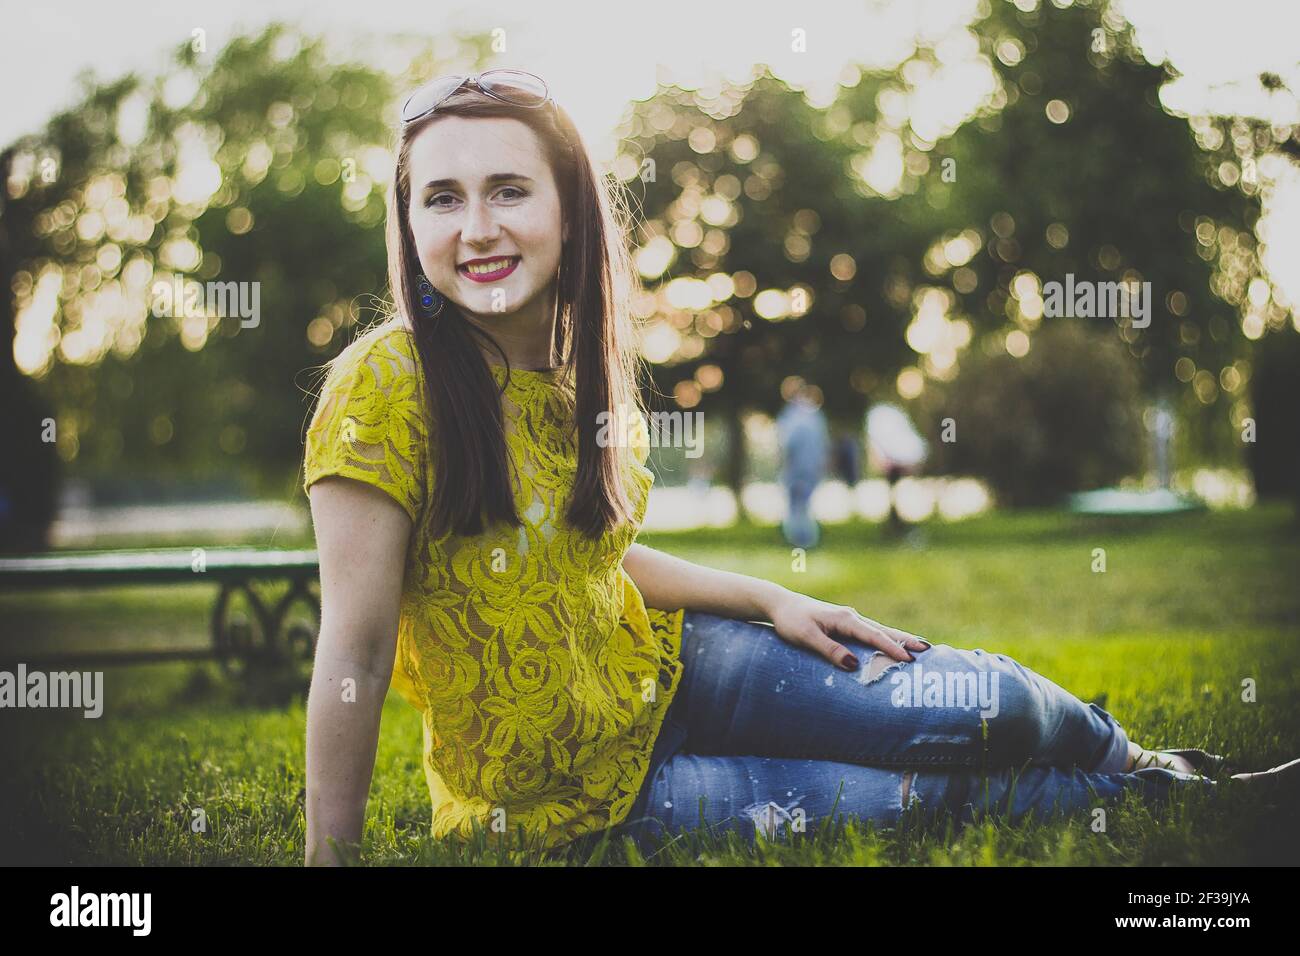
(763, 735)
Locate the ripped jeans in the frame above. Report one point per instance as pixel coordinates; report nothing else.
(763, 735)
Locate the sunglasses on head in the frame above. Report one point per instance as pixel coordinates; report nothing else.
(510, 86)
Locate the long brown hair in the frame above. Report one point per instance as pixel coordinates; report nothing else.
(592, 337)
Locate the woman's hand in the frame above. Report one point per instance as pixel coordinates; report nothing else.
(807, 622)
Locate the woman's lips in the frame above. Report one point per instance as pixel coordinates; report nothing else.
(491, 276)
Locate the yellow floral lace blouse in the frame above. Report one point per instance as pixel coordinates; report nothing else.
(542, 676)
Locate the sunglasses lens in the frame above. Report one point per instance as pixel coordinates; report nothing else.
(429, 96)
(514, 86)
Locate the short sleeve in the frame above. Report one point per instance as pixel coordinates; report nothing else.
(369, 422)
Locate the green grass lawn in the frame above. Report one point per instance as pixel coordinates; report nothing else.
(1189, 607)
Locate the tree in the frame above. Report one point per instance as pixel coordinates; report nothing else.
(765, 256)
(270, 174)
(1077, 168)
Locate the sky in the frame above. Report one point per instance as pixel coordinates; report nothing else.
(597, 61)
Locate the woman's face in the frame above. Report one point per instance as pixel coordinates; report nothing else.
(481, 190)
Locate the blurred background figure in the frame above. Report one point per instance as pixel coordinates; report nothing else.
(1162, 438)
(895, 449)
(848, 459)
(805, 454)
(700, 480)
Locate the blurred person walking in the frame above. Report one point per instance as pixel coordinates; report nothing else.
(805, 453)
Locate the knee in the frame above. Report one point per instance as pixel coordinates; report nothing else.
(1017, 720)
(1001, 693)
(1008, 702)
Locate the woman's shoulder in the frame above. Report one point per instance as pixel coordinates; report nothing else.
(386, 347)
(391, 339)
(369, 423)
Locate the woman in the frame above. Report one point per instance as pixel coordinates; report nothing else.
(475, 528)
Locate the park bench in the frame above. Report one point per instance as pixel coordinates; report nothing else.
(263, 634)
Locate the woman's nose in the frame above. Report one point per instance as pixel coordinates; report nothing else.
(480, 224)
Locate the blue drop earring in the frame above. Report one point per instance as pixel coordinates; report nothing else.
(431, 302)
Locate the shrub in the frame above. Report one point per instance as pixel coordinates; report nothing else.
(1066, 417)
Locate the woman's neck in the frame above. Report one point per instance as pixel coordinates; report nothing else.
(527, 336)
(527, 351)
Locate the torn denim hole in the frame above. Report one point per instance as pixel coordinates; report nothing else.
(768, 817)
(876, 667)
(943, 739)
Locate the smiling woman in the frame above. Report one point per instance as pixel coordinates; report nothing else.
(481, 180)
(485, 582)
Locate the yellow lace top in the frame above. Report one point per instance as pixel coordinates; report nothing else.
(542, 676)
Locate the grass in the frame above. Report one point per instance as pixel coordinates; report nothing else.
(1189, 607)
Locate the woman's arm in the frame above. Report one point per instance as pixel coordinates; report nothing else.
(670, 582)
(361, 538)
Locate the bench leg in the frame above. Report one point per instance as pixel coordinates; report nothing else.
(267, 643)
(234, 643)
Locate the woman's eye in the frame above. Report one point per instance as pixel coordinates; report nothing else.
(433, 200)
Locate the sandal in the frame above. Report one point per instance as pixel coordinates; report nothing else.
(1205, 764)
